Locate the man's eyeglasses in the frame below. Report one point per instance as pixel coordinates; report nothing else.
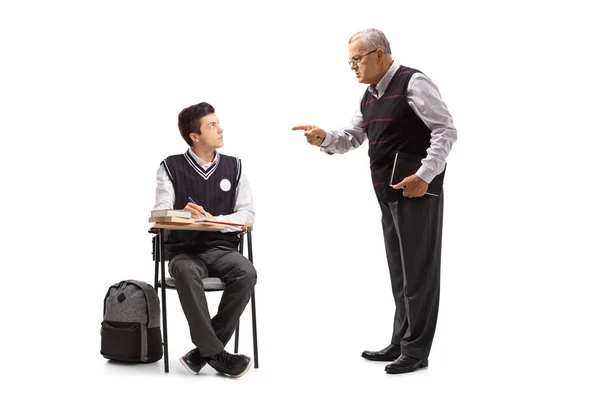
(356, 59)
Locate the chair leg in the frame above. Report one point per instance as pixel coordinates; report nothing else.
(254, 337)
(237, 329)
(241, 249)
(250, 246)
(254, 330)
(161, 234)
(237, 337)
(156, 255)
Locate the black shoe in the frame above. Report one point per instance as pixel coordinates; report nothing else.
(405, 364)
(193, 362)
(390, 353)
(234, 365)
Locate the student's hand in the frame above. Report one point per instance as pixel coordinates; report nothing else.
(413, 186)
(198, 211)
(314, 134)
(209, 217)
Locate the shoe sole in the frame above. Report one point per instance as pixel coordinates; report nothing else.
(241, 373)
(187, 367)
(379, 359)
(424, 364)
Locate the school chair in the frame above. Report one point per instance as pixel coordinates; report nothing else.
(210, 285)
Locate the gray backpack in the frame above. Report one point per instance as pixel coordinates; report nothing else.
(131, 326)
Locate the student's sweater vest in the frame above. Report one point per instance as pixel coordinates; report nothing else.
(214, 189)
(392, 126)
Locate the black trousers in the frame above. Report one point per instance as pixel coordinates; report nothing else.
(412, 230)
(211, 335)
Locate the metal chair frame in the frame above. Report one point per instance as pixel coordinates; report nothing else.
(158, 250)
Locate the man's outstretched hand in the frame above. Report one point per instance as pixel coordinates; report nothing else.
(314, 134)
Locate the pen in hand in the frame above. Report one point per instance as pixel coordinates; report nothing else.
(193, 202)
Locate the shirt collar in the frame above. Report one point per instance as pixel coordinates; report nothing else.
(385, 81)
(201, 162)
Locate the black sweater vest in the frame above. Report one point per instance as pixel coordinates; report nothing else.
(391, 127)
(213, 189)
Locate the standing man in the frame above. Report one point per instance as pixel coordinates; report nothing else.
(401, 112)
(206, 182)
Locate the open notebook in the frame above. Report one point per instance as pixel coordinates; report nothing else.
(212, 221)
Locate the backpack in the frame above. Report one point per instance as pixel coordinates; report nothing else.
(131, 326)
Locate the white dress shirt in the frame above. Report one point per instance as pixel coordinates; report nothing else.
(243, 211)
(424, 98)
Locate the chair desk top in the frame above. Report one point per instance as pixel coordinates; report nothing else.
(195, 227)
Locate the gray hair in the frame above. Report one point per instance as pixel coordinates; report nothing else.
(373, 38)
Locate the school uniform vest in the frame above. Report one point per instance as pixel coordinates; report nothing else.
(214, 189)
(392, 126)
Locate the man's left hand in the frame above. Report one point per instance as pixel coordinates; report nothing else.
(413, 186)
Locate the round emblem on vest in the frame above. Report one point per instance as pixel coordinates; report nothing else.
(225, 185)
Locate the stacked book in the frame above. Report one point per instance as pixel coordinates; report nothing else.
(171, 216)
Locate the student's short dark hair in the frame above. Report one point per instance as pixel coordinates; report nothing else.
(189, 120)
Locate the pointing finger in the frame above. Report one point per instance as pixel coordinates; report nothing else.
(301, 127)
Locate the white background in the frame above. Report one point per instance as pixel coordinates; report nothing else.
(90, 93)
